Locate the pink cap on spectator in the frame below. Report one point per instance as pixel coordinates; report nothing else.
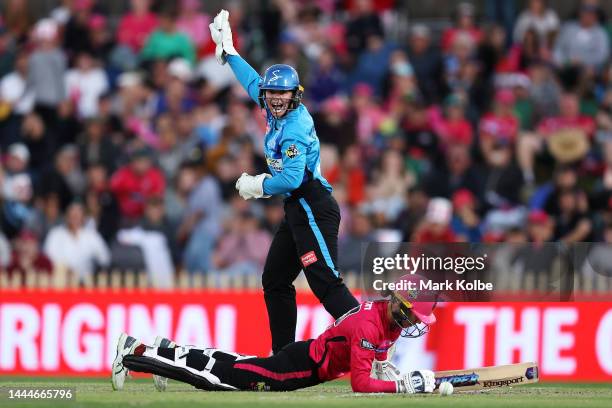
(335, 104)
(463, 197)
(538, 217)
(362, 89)
(28, 235)
(80, 5)
(190, 5)
(504, 96)
(45, 29)
(97, 21)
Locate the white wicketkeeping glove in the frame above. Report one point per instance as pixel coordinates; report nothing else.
(251, 186)
(221, 34)
(385, 370)
(416, 382)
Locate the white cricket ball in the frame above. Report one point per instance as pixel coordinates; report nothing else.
(446, 388)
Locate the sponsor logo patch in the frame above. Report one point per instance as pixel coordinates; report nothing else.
(367, 345)
(460, 380)
(531, 373)
(276, 164)
(502, 383)
(292, 151)
(308, 258)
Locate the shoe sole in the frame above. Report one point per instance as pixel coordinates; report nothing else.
(118, 361)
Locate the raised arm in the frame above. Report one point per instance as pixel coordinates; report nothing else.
(246, 75)
(221, 34)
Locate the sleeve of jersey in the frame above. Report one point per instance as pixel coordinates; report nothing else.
(294, 162)
(246, 75)
(361, 366)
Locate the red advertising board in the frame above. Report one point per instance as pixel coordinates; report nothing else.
(74, 332)
(570, 341)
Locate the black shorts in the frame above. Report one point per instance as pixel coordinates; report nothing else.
(307, 239)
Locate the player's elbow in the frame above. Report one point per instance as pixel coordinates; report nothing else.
(359, 385)
(294, 182)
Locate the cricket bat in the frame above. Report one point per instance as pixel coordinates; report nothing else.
(489, 377)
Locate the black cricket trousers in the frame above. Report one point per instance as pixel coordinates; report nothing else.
(307, 239)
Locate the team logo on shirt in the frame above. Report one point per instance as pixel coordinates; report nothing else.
(367, 345)
(276, 164)
(292, 151)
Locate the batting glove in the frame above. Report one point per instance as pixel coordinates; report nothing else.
(385, 370)
(251, 186)
(416, 382)
(221, 34)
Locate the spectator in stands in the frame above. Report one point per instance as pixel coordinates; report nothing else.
(326, 79)
(16, 167)
(458, 172)
(46, 69)
(167, 42)
(155, 220)
(194, 23)
(583, 42)
(79, 248)
(540, 18)
(569, 119)
(350, 246)
(16, 99)
(66, 179)
(573, 223)
(435, 227)
(136, 182)
(389, 186)
(100, 39)
(242, 248)
(465, 25)
(363, 22)
(16, 191)
(466, 224)
(5, 251)
(540, 227)
(201, 223)
(351, 175)
(76, 31)
(414, 212)
(501, 126)
(27, 257)
(95, 147)
(452, 127)
(373, 63)
(334, 124)
(85, 83)
(135, 26)
(17, 18)
(426, 62)
(101, 204)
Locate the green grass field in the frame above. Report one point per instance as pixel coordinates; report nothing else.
(140, 393)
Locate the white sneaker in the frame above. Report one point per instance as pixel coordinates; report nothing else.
(162, 382)
(125, 345)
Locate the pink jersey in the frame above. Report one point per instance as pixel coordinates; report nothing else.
(353, 342)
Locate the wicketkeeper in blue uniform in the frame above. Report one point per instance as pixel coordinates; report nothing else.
(308, 235)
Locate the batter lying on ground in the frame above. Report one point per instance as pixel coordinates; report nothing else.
(351, 344)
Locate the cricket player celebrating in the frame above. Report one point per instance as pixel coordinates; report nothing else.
(352, 344)
(308, 235)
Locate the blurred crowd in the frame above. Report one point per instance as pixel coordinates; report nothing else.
(121, 137)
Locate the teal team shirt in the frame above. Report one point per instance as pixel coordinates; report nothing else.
(291, 145)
